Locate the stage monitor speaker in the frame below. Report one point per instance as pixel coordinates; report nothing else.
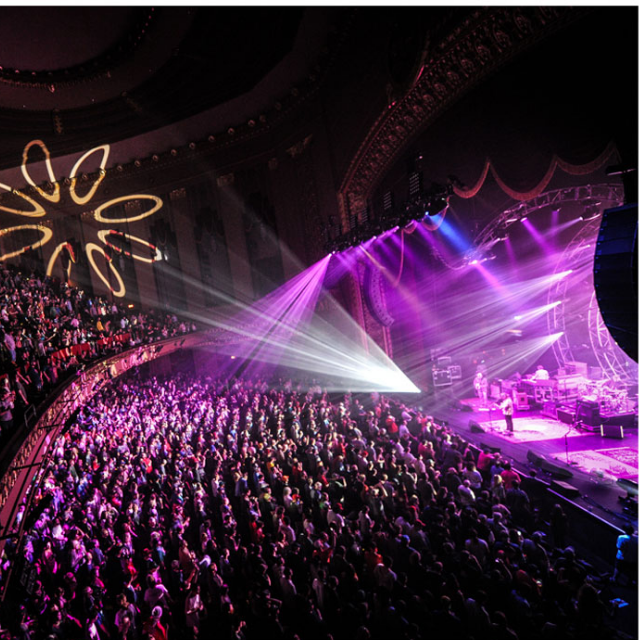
(615, 268)
(566, 416)
(555, 470)
(612, 431)
(630, 486)
(534, 458)
(490, 448)
(565, 489)
(474, 427)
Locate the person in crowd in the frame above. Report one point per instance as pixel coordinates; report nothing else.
(626, 565)
(48, 329)
(7, 399)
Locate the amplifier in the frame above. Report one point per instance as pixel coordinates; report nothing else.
(456, 372)
(566, 415)
(550, 410)
(522, 401)
(588, 412)
(441, 377)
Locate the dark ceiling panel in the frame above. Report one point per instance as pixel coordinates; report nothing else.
(225, 53)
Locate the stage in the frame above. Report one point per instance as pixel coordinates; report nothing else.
(599, 467)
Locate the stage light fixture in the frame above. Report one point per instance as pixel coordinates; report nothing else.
(590, 213)
(437, 205)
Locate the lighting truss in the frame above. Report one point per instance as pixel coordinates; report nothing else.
(606, 194)
(429, 203)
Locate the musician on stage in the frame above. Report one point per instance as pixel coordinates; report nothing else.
(540, 374)
(506, 405)
(480, 385)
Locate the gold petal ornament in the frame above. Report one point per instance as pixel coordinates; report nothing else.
(51, 197)
(47, 234)
(97, 214)
(38, 210)
(56, 253)
(105, 233)
(90, 247)
(101, 174)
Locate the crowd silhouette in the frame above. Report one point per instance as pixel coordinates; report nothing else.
(193, 507)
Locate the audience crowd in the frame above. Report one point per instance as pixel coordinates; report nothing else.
(49, 329)
(188, 508)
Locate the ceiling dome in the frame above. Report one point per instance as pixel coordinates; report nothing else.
(36, 39)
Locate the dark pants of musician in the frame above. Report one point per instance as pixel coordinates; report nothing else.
(509, 420)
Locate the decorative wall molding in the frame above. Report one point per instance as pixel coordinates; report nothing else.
(373, 288)
(487, 39)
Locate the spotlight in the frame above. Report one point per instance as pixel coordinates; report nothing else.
(523, 218)
(509, 220)
(436, 206)
(474, 261)
(590, 214)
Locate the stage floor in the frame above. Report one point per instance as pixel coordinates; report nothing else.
(595, 462)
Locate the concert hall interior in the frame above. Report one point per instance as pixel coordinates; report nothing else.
(318, 322)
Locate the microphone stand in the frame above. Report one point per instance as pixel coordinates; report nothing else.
(566, 443)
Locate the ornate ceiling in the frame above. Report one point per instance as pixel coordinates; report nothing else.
(87, 75)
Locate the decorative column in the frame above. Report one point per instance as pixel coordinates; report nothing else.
(232, 208)
(183, 228)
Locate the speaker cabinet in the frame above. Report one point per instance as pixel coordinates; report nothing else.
(615, 268)
(612, 431)
(534, 458)
(522, 402)
(588, 413)
(565, 489)
(566, 416)
(550, 410)
(474, 427)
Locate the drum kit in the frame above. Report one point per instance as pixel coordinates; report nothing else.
(605, 393)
